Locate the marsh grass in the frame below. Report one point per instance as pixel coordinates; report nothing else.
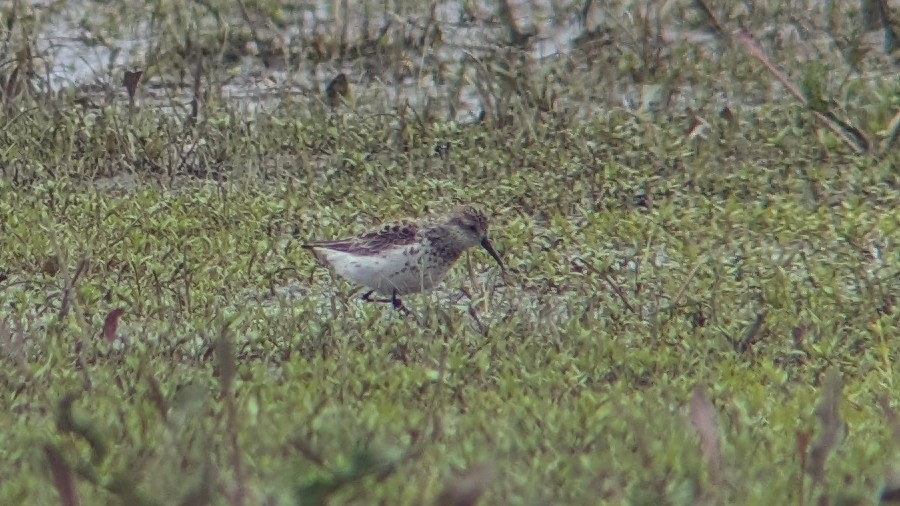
(700, 305)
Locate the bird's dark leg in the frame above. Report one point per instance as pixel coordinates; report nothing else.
(368, 296)
(396, 302)
(398, 305)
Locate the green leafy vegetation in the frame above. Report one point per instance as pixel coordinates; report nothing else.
(700, 305)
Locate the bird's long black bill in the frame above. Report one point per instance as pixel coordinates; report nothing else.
(486, 244)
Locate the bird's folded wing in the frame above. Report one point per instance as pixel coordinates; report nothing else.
(372, 243)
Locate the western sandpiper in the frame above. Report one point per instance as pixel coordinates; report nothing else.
(407, 256)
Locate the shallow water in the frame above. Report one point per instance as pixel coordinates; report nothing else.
(579, 58)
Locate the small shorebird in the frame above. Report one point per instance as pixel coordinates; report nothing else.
(407, 256)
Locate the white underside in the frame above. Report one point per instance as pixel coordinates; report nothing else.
(387, 273)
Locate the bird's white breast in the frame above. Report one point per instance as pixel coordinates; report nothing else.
(397, 269)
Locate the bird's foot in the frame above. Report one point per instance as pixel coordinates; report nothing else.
(396, 302)
(368, 297)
